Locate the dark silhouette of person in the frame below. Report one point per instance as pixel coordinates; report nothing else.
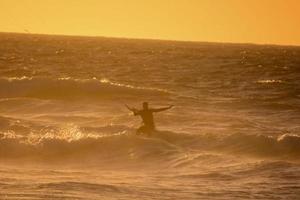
(147, 116)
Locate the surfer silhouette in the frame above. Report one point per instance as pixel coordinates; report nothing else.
(147, 116)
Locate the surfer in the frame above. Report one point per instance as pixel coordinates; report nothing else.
(147, 116)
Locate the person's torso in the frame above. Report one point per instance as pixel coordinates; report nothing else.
(147, 117)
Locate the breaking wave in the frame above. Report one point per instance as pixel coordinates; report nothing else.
(125, 147)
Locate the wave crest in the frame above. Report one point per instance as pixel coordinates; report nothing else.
(126, 146)
(70, 88)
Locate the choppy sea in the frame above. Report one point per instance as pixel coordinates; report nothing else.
(234, 131)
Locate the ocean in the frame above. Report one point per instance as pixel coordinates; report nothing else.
(65, 133)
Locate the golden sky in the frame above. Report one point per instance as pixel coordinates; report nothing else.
(255, 21)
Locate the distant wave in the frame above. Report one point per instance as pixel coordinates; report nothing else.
(70, 88)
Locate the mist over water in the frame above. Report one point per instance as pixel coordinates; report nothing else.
(65, 134)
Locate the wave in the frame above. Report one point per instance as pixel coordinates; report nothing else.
(286, 145)
(79, 186)
(74, 146)
(209, 176)
(125, 147)
(70, 88)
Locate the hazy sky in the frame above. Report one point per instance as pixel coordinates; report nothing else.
(255, 21)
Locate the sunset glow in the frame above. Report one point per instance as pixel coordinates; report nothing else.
(149, 99)
(241, 21)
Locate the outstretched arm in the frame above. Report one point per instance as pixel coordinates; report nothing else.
(134, 110)
(162, 109)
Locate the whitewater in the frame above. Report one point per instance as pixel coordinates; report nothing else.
(65, 133)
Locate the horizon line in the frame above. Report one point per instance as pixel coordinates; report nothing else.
(154, 39)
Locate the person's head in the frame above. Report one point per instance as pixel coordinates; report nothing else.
(145, 105)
